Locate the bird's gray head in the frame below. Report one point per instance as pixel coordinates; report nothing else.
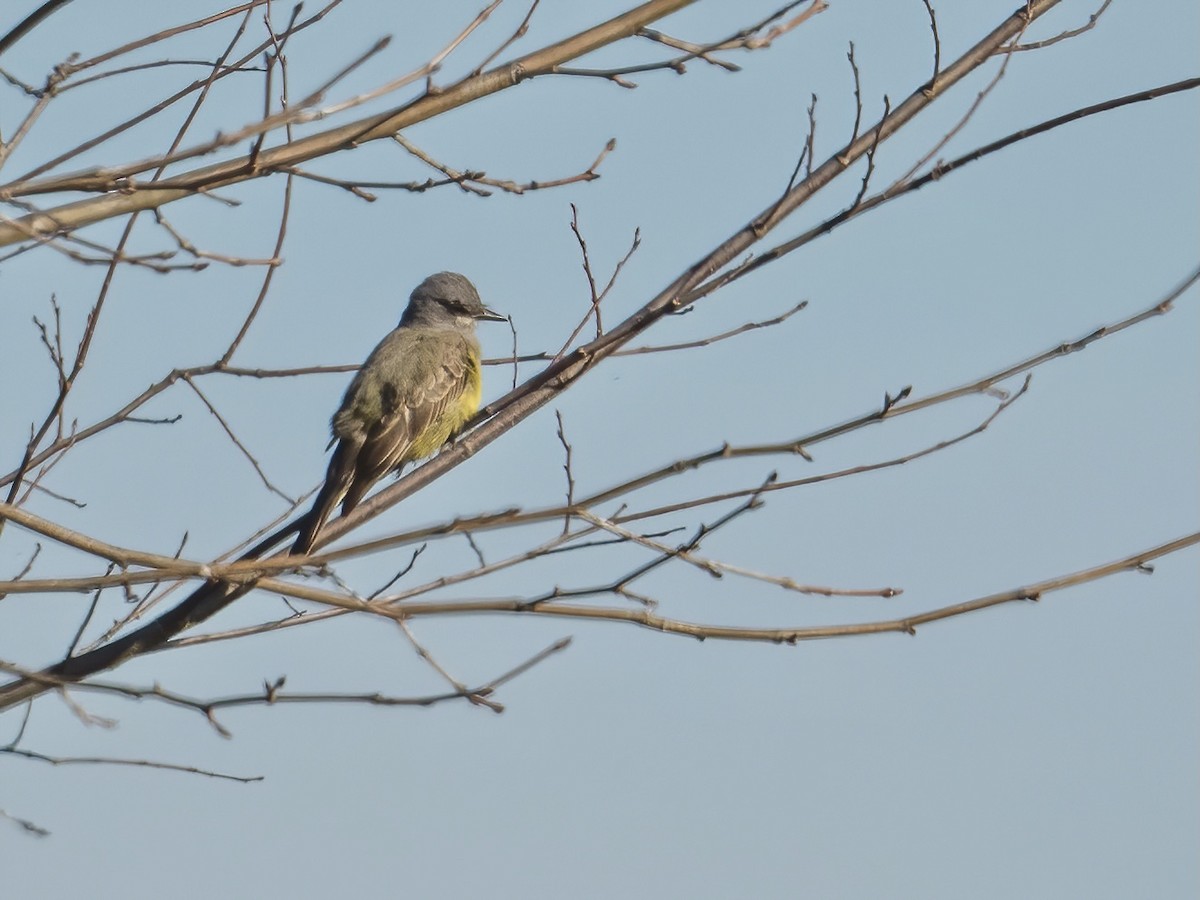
(447, 298)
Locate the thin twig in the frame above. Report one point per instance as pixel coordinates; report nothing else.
(562, 439)
(225, 426)
(1063, 36)
(521, 31)
(119, 761)
(937, 44)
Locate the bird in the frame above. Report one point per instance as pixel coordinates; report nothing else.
(415, 392)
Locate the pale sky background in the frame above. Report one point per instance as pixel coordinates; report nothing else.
(1028, 751)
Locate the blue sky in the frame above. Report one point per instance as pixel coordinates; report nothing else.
(1034, 750)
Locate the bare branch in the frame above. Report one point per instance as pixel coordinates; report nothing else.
(716, 338)
(236, 441)
(937, 44)
(521, 31)
(30, 22)
(459, 687)
(1065, 35)
(751, 38)
(26, 824)
(597, 297)
(118, 761)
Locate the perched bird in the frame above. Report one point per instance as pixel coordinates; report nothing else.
(414, 393)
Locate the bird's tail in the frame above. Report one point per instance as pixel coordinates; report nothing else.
(337, 481)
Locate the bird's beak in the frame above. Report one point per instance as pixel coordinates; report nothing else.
(490, 315)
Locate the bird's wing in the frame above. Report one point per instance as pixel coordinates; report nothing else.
(419, 389)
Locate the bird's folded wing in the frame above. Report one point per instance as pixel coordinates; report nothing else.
(412, 426)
